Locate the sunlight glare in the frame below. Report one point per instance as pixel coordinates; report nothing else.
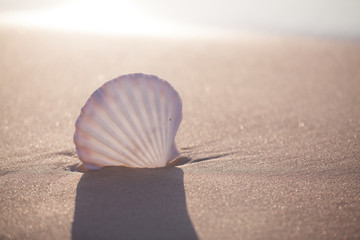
(109, 16)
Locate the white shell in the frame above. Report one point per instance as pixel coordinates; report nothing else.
(129, 121)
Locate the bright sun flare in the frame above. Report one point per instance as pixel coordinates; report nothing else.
(110, 16)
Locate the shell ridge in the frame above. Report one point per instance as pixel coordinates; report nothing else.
(163, 118)
(139, 121)
(94, 158)
(153, 129)
(119, 104)
(111, 129)
(136, 120)
(119, 126)
(115, 125)
(139, 145)
(101, 138)
(143, 117)
(129, 117)
(169, 133)
(166, 125)
(91, 150)
(173, 125)
(98, 119)
(157, 119)
(166, 119)
(82, 141)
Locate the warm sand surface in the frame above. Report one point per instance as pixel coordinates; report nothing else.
(271, 123)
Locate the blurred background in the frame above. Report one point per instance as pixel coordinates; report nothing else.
(334, 18)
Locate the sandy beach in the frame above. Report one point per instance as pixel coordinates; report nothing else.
(270, 123)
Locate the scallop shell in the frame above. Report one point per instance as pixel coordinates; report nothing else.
(129, 121)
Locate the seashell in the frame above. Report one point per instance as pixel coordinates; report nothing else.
(129, 121)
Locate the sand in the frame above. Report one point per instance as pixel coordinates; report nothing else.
(271, 123)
